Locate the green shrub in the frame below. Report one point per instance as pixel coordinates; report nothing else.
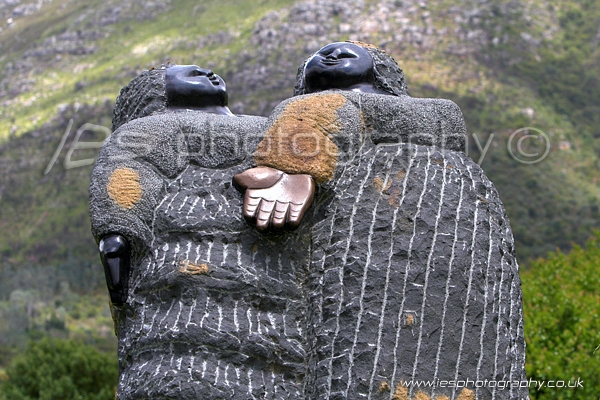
(61, 369)
(561, 304)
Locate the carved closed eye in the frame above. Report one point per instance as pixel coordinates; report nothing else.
(336, 54)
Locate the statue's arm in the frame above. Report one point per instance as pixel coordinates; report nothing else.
(130, 174)
(405, 119)
(297, 151)
(127, 181)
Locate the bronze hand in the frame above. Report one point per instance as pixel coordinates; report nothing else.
(275, 199)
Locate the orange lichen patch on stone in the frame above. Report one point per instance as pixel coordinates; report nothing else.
(466, 394)
(124, 187)
(384, 387)
(401, 174)
(421, 396)
(363, 44)
(409, 319)
(401, 392)
(394, 198)
(378, 184)
(442, 397)
(298, 141)
(187, 267)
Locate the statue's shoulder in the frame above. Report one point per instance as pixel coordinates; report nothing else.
(379, 102)
(168, 123)
(406, 119)
(327, 98)
(167, 140)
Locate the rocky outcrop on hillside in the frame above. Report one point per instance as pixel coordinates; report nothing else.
(282, 39)
(11, 9)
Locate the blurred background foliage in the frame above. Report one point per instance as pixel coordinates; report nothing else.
(60, 369)
(562, 309)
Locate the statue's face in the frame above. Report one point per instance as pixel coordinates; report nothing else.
(338, 66)
(190, 86)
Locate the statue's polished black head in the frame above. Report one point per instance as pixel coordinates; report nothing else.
(192, 87)
(170, 87)
(350, 66)
(339, 65)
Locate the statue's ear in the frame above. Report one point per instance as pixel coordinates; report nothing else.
(257, 178)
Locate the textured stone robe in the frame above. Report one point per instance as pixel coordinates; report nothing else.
(413, 273)
(414, 278)
(215, 309)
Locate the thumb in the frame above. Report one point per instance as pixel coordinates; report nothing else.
(257, 178)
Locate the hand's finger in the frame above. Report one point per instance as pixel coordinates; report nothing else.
(296, 213)
(251, 204)
(279, 214)
(265, 213)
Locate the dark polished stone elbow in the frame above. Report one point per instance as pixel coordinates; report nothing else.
(115, 256)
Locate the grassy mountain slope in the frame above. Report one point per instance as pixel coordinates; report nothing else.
(508, 64)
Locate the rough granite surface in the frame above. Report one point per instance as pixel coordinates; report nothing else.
(403, 269)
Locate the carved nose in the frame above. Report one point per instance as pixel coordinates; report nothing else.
(334, 55)
(197, 71)
(206, 72)
(340, 53)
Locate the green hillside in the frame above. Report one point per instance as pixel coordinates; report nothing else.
(509, 65)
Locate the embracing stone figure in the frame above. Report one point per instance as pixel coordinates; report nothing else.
(205, 306)
(413, 275)
(402, 269)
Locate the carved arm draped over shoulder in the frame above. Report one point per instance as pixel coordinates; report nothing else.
(316, 134)
(308, 139)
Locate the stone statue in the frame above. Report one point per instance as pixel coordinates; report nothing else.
(402, 268)
(190, 87)
(212, 308)
(413, 274)
(186, 87)
(344, 66)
